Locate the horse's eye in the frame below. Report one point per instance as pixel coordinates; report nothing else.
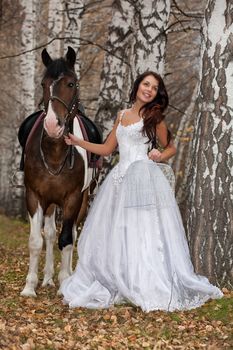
(71, 85)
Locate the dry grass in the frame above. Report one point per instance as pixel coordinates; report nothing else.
(45, 323)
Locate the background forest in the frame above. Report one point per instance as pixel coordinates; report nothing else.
(190, 43)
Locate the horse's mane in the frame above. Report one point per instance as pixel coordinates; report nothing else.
(57, 67)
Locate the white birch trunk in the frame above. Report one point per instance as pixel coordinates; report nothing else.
(182, 161)
(116, 69)
(55, 26)
(182, 82)
(210, 214)
(64, 21)
(26, 96)
(150, 22)
(27, 61)
(136, 43)
(72, 28)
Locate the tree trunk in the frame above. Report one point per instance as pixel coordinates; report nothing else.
(136, 43)
(149, 23)
(72, 28)
(182, 64)
(210, 214)
(116, 69)
(64, 25)
(182, 161)
(22, 104)
(94, 33)
(55, 26)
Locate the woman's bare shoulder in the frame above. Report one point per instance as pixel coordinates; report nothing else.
(121, 114)
(122, 111)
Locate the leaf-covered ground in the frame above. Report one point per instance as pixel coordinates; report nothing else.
(45, 323)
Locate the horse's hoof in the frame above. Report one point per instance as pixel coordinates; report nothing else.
(28, 293)
(48, 283)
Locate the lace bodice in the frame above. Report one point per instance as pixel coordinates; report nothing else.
(132, 146)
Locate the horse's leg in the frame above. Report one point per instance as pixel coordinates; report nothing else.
(50, 238)
(67, 252)
(35, 245)
(68, 235)
(83, 210)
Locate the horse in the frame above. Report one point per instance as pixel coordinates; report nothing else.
(53, 172)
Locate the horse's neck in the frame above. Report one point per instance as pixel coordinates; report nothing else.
(53, 147)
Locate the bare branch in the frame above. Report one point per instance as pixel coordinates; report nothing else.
(175, 23)
(190, 15)
(179, 21)
(177, 109)
(82, 75)
(82, 42)
(184, 29)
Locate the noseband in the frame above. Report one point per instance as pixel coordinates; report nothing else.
(69, 107)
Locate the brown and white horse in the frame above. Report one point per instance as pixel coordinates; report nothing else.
(53, 172)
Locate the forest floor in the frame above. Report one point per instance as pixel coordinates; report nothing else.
(45, 323)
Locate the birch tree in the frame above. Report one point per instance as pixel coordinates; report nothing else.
(182, 64)
(136, 43)
(55, 26)
(72, 26)
(210, 214)
(116, 69)
(26, 96)
(96, 19)
(149, 23)
(64, 21)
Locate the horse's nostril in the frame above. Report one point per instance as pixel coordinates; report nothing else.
(60, 121)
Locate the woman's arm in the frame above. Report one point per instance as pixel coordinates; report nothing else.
(101, 149)
(170, 149)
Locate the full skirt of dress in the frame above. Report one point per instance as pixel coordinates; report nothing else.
(133, 248)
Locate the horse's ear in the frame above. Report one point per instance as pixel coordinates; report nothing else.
(46, 59)
(71, 56)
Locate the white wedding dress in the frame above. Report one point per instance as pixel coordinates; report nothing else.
(133, 247)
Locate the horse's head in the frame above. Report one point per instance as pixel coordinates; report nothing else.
(60, 92)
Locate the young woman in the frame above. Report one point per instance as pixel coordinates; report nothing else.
(133, 246)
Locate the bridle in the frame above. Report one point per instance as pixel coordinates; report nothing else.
(70, 149)
(69, 107)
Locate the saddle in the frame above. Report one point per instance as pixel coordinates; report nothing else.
(91, 132)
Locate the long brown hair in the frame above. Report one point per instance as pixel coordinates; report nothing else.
(152, 112)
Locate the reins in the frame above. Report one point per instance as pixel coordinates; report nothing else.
(61, 166)
(70, 149)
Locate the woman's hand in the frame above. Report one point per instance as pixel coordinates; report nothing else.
(71, 140)
(155, 155)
